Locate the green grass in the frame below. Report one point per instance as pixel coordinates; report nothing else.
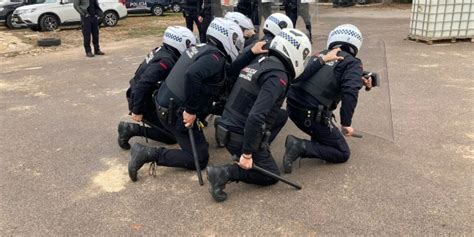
(146, 31)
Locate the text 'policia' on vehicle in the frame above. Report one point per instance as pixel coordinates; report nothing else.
(51, 14)
(155, 7)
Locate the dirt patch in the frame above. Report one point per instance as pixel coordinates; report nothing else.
(23, 41)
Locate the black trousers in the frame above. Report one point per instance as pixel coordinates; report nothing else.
(262, 158)
(183, 158)
(90, 25)
(326, 144)
(206, 21)
(190, 21)
(157, 131)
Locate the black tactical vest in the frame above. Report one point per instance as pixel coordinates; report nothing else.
(247, 87)
(324, 86)
(151, 59)
(154, 56)
(176, 80)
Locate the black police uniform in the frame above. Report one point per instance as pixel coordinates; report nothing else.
(313, 98)
(191, 10)
(151, 72)
(192, 84)
(252, 110)
(90, 26)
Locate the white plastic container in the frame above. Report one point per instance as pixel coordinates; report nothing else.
(442, 19)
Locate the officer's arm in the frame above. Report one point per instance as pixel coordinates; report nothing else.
(78, 8)
(350, 86)
(274, 87)
(205, 67)
(241, 61)
(155, 72)
(312, 68)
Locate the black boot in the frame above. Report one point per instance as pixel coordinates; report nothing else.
(218, 177)
(140, 155)
(295, 148)
(127, 131)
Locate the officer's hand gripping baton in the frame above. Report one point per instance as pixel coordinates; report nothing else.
(270, 174)
(195, 155)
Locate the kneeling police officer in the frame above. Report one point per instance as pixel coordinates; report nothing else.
(247, 126)
(313, 98)
(151, 72)
(273, 25)
(186, 97)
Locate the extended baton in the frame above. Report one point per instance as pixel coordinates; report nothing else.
(195, 155)
(269, 174)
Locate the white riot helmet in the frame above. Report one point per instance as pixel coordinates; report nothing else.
(241, 20)
(227, 35)
(179, 37)
(346, 34)
(293, 45)
(276, 22)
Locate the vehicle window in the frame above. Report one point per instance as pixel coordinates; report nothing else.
(13, 0)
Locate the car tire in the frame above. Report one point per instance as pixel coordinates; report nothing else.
(48, 22)
(110, 19)
(157, 10)
(176, 7)
(47, 42)
(8, 21)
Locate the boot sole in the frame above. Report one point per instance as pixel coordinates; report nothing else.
(217, 199)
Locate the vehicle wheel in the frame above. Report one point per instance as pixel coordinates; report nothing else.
(176, 7)
(157, 10)
(48, 22)
(46, 42)
(8, 21)
(110, 19)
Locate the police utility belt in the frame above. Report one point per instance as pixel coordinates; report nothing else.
(225, 136)
(321, 115)
(169, 114)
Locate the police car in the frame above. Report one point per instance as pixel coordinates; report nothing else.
(155, 7)
(49, 15)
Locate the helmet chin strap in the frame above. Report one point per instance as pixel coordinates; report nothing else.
(346, 47)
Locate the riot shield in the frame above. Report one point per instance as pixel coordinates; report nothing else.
(373, 113)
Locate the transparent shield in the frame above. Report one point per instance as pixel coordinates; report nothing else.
(373, 113)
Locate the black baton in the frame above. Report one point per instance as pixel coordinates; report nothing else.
(270, 174)
(195, 155)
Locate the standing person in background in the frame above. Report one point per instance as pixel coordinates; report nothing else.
(90, 13)
(206, 15)
(295, 8)
(250, 8)
(265, 8)
(191, 11)
(217, 8)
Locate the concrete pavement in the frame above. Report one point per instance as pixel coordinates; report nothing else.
(62, 172)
